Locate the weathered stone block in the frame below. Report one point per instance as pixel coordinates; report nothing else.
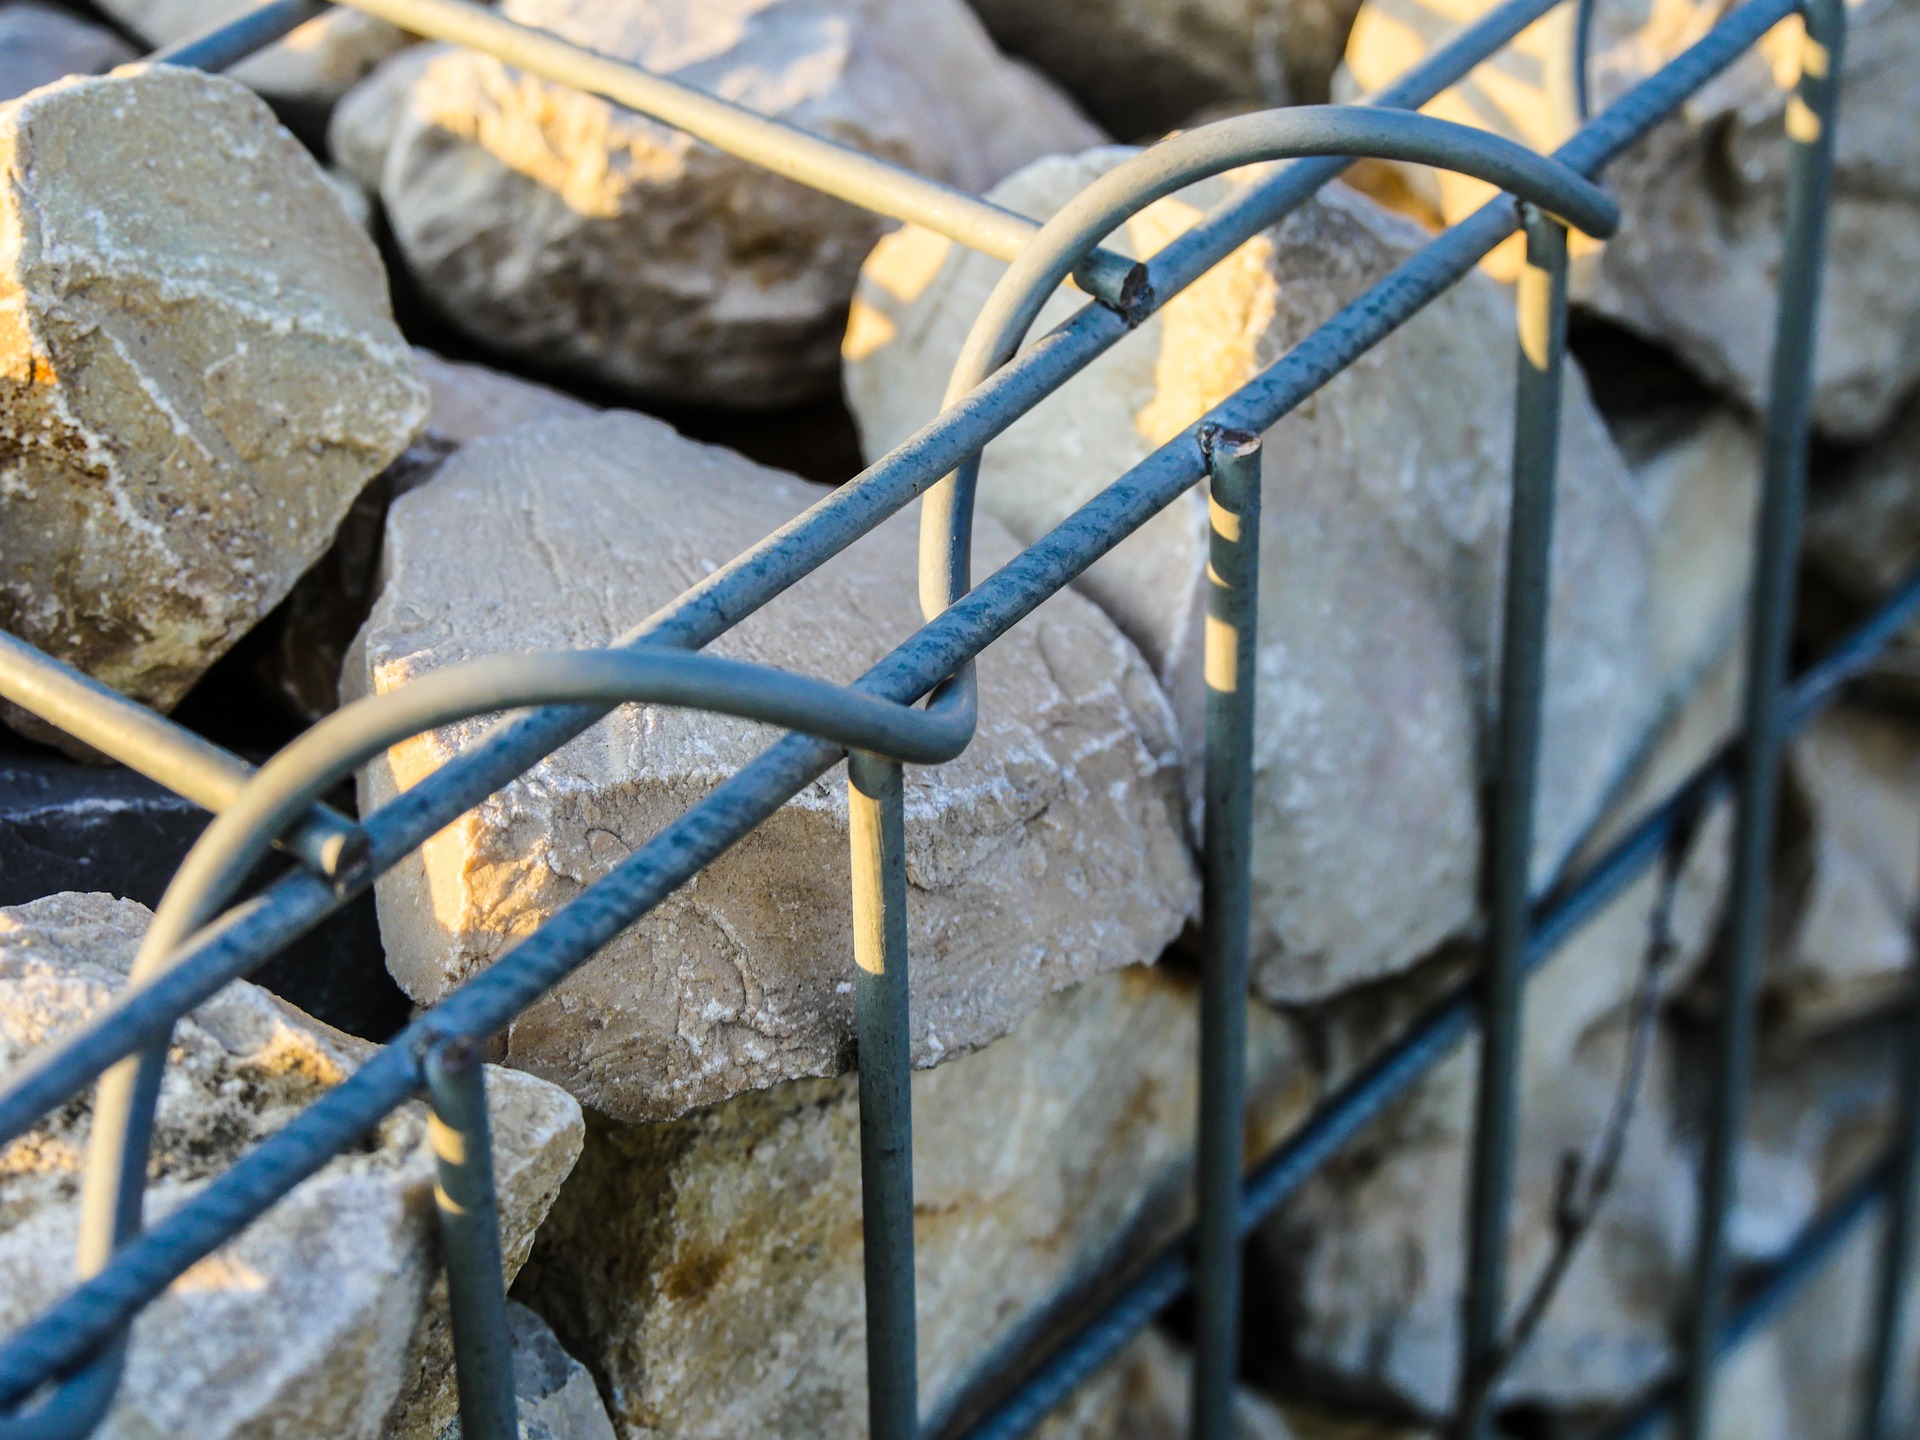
(198, 372)
(709, 1270)
(1050, 851)
(552, 224)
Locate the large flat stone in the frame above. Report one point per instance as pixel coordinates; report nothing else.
(550, 224)
(198, 372)
(325, 1316)
(1050, 851)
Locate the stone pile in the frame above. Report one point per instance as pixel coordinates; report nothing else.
(1697, 258)
(232, 483)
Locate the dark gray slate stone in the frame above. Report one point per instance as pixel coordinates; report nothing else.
(68, 826)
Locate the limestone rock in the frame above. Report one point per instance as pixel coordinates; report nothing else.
(709, 1270)
(1842, 942)
(301, 647)
(1382, 552)
(469, 401)
(551, 224)
(555, 1394)
(314, 66)
(40, 44)
(1696, 260)
(1362, 1273)
(324, 1316)
(200, 372)
(1141, 67)
(1050, 851)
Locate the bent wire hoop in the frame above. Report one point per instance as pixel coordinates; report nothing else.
(964, 621)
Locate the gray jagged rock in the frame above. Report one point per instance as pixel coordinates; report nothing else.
(325, 1316)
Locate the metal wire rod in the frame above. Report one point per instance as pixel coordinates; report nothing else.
(1231, 644)
(1811, 113)
(460, 1133)
(1345, 131)
(323, 840)
(1542, 321)
(219, 47)
(63, 1336)
(877, 833)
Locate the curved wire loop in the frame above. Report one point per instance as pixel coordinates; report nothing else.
(1345, 131)
(281, 792)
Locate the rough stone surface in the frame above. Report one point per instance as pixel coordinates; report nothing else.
(709, 1270)
(198, 372)
(551, 224)
(1382, 552)
(1360, 1278)
(1141, 67)
(313, 66)
(1696, 261)
(40, 44)
(322, 1318)
(301, 647)
(1850, 869)
(468, 401)
(1050, 851)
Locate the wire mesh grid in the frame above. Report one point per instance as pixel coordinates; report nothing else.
(59, 1373)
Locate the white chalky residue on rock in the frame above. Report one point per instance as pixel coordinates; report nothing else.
(199, 375)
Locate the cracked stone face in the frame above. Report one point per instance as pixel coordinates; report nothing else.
(198, 372)
(327, 1316)
(1051, 850)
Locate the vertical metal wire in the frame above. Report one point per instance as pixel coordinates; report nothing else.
(1233, 574)
(1810, 119)
(459, 1132)
(1881, 1397)
(878, 828)
(1542, 323)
